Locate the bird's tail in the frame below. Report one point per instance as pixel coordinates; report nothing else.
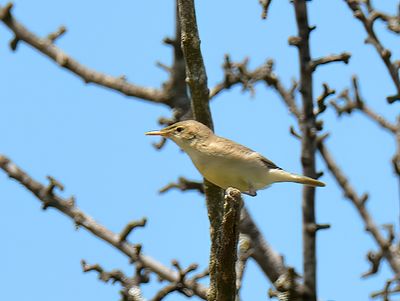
(284, 176)
(306, 181)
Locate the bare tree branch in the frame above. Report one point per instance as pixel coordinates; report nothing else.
(238, 73)
(244, 253)
(55, 35)
(196, 75)
(396, 157)
(131, 290)
(287, 288)
(308, 146)
(266, 257)
(385, 54)
(265, 6)
(227, 250)
(321, 99)
(375, 259)
(355, 102)
(67, 207)
(343, 57)
(389, 251)
(178, 285)
(387, 291)
(47, 47)
(270, 262)
(197, 80)
(130, 227)
(184, 184)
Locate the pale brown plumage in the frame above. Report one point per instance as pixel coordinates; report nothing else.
(226, 163)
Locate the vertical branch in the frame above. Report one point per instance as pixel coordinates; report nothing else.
(396, 157)
(196, 77)
(308, 144)
(176, 87)
(227, 251)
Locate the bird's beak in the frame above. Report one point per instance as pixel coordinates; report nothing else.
(156, 133)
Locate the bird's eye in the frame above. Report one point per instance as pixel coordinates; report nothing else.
(179, 129)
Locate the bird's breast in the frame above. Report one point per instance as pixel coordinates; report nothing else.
(225, 172)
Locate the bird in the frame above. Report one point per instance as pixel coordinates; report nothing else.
(226, 163)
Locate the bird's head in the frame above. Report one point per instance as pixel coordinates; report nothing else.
(186, 133)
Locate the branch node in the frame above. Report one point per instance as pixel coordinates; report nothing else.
(319, 125)
(391, 99)
(286, 286)
(5, 12)
(184, 184)
(71, 201)
(169, 41)
(164, 67)
(343, 57)
(375, 260)
(130, 227)
(386, 54)
(294, 41)
(62, 60)
(49, 192)
(14, 43)
(52, 37)
(122, 77)
(321, 99)
(265, 5)
(311, 28)
(322, 138)
(391, 236)
(363, 199)
(387, 291)
(201, 275)
(313, 228)
(294, 133)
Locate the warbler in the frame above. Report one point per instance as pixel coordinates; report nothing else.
(226, 163)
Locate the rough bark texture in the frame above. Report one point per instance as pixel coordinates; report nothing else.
(227, 251)
(308, 147)
(196, 77)
(272, 264)
(67, 206)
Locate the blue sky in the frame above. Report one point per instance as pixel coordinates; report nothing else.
(92, 140)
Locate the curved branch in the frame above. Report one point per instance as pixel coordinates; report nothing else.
(50, 199)
(385, 54)
(47, 47)
(389, 251)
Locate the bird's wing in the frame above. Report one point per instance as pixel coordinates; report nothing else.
(269, 163)
(228, 148)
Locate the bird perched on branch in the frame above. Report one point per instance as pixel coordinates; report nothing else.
(226, 163)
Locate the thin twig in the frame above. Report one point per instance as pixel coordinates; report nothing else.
(388, 250)
(130, 227)
(184, 184)
(265, 6)
(130, 286)
(82, 219)
(355, 102)
(343, 57)
(47, 47)
(177, 285)
(385, 54)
